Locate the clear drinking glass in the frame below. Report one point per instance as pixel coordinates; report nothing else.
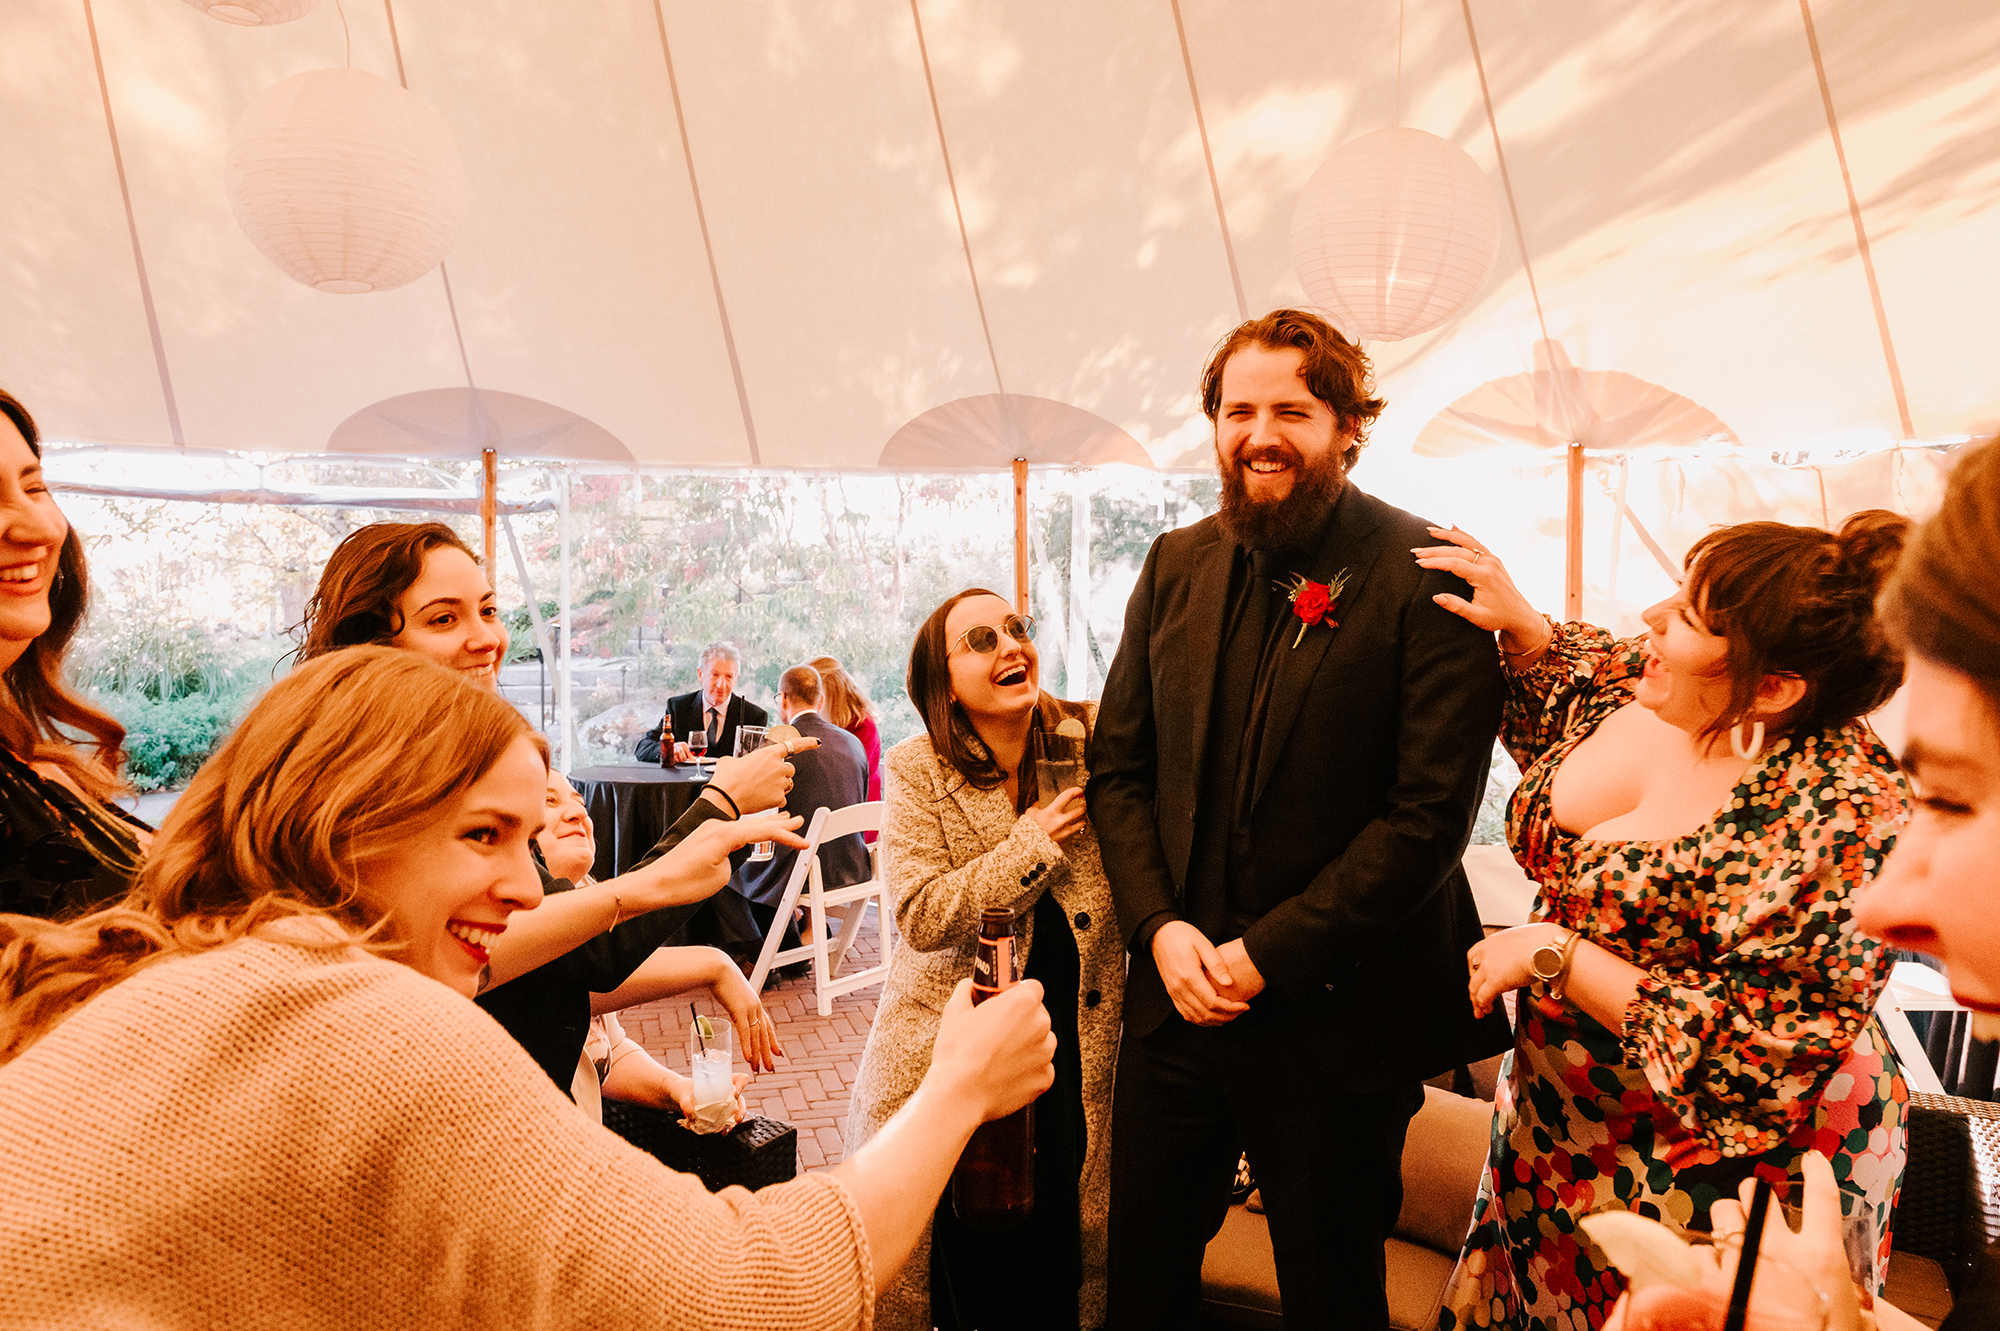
(713, 1070)
(1857, 1239)
(697, 742)
(1058, 764)
(749, 739)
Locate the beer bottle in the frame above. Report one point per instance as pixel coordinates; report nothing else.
(994, 1182)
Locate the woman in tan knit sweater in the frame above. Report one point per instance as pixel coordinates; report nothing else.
(224, 1102)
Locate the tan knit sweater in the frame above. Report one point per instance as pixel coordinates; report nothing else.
(268, 1136)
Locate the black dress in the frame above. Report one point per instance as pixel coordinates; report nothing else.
(60, 855)
(547, 1010)
(1027, 1279)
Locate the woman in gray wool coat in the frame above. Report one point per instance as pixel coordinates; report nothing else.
(962, 835)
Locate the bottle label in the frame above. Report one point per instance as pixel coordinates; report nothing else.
(992, 968)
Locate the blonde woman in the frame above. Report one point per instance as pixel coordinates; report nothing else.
(964, 833)
(274, 1031)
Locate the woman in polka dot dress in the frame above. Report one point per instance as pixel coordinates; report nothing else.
(1700, 807)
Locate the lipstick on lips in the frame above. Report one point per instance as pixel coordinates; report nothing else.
(474, 938)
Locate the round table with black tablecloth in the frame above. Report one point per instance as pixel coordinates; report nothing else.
(632, 805)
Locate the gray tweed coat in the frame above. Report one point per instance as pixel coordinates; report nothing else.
(951, 850)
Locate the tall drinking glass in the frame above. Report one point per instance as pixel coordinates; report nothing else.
(713, 1071)
(1058, 763)
(749, 739)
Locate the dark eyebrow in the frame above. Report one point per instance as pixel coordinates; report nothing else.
(440, 600)
(32, 469)
(1306, 401)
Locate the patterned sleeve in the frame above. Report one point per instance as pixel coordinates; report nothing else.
(1742, 1049)
(1581, 663)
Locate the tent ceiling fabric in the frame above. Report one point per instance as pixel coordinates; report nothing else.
(463, 423)
(1558, 404)
(1677, 187)
(989, 432)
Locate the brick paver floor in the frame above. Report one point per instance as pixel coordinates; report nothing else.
(810, 1087)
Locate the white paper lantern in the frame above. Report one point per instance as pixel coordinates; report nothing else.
(346, 181)
(252, 13)
(1394, 232)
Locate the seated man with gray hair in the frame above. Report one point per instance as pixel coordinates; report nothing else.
(713, 707)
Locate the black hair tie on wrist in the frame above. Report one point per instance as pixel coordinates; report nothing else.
(734, 808)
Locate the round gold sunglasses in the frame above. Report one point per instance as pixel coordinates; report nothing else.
(984, 638)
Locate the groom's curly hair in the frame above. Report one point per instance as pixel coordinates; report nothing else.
(1336, 370)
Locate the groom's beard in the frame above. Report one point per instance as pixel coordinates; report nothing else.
(1291, 523)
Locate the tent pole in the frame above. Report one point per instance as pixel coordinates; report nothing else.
(1077, 660)
(1573, 538)
(542, 643)
(1021, 535)
(490, 461)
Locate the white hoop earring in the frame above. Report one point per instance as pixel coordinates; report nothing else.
(1747, 752)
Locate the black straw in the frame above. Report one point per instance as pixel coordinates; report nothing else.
(703, 1043)
(1746, 1263)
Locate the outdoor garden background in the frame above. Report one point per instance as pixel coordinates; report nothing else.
(194, 605)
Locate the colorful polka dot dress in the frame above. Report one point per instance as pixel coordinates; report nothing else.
(1750, 1040)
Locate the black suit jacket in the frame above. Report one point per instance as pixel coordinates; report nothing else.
(686, 711)
(1376, 745)
(832, 776)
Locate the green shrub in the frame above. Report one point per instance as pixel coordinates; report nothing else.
(521, 630)
(165, 742)
(176, 689)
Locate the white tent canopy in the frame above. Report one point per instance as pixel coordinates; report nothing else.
(774, 233)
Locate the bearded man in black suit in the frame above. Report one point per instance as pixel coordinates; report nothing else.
(1289, 757)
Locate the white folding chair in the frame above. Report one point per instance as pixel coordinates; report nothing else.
(847, 904)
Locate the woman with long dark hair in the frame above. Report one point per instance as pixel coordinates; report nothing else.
(64, 845)
(967, 829)
(418, 587)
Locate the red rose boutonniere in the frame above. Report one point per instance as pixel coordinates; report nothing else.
(1314, 602)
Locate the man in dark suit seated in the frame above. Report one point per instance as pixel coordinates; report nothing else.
(1287, 764)
(713, 707)
(832, 776)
